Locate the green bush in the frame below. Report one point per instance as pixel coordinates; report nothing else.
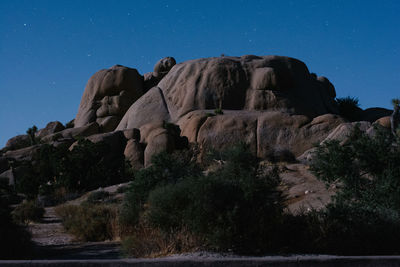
(165, 169)
(89, 222)
(233, 208)
(28, 211)
(364, 216)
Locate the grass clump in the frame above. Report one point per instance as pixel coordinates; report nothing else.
(28, 211)
(90, 222)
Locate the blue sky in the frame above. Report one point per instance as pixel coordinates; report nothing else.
(49, 49)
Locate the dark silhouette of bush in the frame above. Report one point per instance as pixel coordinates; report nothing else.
(349, 108)
(31, 133)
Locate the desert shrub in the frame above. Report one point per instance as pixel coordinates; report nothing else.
(218, 111)
(364, 216)
(98, 196)
(349, 108)
(90, 222)
(15, 240)
(59, 172)
(234, 208)
(28, 211)
(165, 169)
(31, 133)
(146, 241)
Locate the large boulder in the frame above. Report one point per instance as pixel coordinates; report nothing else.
(150, 108)
(341, 133)
(134, 153)
(23, 154)
(268, 83)
(108, 95)
(73, 133)
(373, 114)
(17, 142)
(267, 133)
(162, 67)
(384, 122)
(51, 128)
(115, 140)
(157, 137)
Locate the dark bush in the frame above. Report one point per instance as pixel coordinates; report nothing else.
(165, 169)
(15, 241)
(364, 217)
(98, 196)
(233, 208)
(57, 169)
(349, 108)
(28, 211)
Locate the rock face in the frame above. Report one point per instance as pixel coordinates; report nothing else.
(235, 83)
(266, 132)
(51, 128)
(71, 133)
(108, 95)
(162, 67)
(19, 141)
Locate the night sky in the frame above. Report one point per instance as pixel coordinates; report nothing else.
(49, 49)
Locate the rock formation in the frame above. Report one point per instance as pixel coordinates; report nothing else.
(273, 103)
(108, 95)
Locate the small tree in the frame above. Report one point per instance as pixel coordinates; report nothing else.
(31, 133)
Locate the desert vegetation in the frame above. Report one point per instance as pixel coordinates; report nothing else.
(349, 108)
(60, 173)
(176, 206)
(229, 202)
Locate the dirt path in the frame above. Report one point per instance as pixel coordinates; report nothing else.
(52, 242)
